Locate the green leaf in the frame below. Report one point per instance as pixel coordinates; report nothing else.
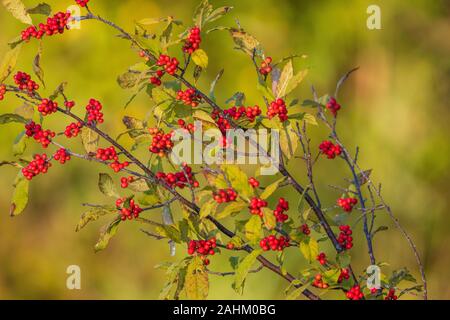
(89, 139)
(109, 231)
(20, 144)
(129, 79)
(244, 267)
(37, 65)
(214, 83)
(232, 208)
(203, 116)
(20, 196)
(285, 78)
(11, 117)
(270, 189)
(106, 185)
(294, 294)
(309, 248)
(208, 208)
(202, 12)
(9, 62)
(253, 229)
(200, 58)
(92, 215)
(59, 90)
(343, 259)
(218, 13)
(196, 284)
(262, 88)
(42, 8)
(332, 276)
(18, 10)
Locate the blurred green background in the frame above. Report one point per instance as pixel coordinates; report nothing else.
(395, 108)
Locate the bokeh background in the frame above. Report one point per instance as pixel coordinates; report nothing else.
(395, 107)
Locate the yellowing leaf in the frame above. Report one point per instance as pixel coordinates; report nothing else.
(203, 116)
(285, 78)
(270, 189)
(238, 179)
(244, 267)
(200, 58)
(18, 10)
(295, 81)
(20, 196)
(269, 219)
(196, 284)
(9, 62)
(92, 215)
(106, 235)
(288, 141)
(309, 249)
(232, 208)
(253, 229)
(244, 41)
(11, 117)
(208, 208)
(106, 185)
(89, 139)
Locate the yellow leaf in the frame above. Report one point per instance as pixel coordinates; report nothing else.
(208, 208)
(270, 189)
(253, 229)
(9, 62)
(196, 284)
(269, 218)
(18, 10)
(285, 78)
(200, 58)
(309, 249)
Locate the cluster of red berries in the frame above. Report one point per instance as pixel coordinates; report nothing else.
(189, 127)
(125, 181)
(355, 293)
(345, 238)
(44, 137)
(156, 80)
(39, 164)
(111, 154)
(128, 212)
(278, 107)
(253, 182)
(391, 295)
(56, 24)
(47, 107)
(282, 206)
(73, 129)
(82, 3)
(161, 142)
(305, 229)
(237, 112)
(272, 243)
(265, 67)
(322, 258)
(24, 82)
(344, 275)
(69, 104)
(2, 91)
(170, 64)
(256, 204)
(190, 97)
(193, 40)
(222, 123)
(179, 179)
(62, 156)
(333, 106)
(225, 195)
(319, 282)
(202, 247)
(347, 204)
(93, 110)
(331, 150)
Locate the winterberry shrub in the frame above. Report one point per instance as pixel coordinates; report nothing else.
(208, 209)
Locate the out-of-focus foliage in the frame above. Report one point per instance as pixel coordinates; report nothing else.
(395, 107)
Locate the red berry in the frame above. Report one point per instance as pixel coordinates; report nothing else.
(347, 204)
(2, 92)
(202, 248)
(282, 206)
(24, 82)
(305, 229)
(273, 243)
(44, 137)
(322, 258)
(391, 295)
(128, 209)
(179, 179)
(161, 142)
(253, 182)
(193, 40)
(225, 195)
(170, 64)
(39, 164)
(62, 156)
(265, 67)
(355, 293)
(82, 3)
(329, 149)
(73, 129)
(333, 106)
(256, 205)
(93, 111)
(189, 97)
(345, 239)
(318, 282)
(278, 107)
(54, 25)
